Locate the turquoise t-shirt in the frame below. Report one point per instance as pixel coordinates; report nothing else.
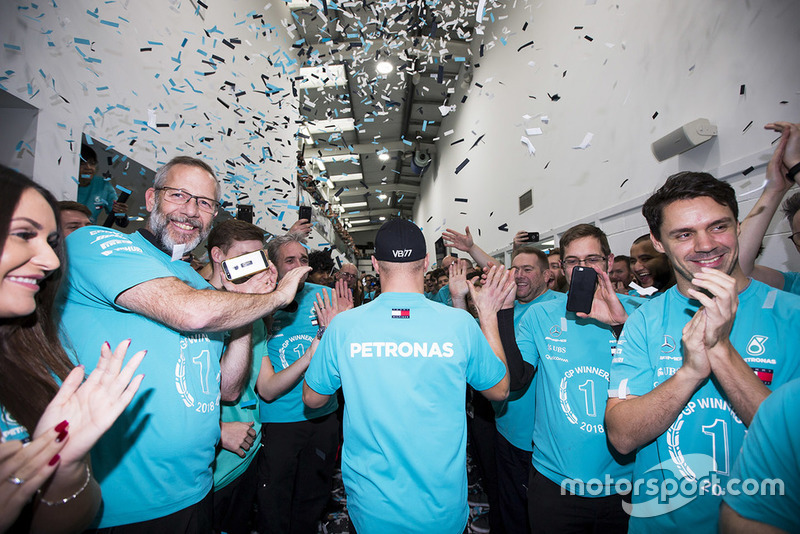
(514, 416)
(791, 282)
(10, 429)
(156, 459)
(292, 334)
(228, 466)
(707, 432)
(770, 452)
(573, 358)
(444, 296)
(403, 363)
(99, 195)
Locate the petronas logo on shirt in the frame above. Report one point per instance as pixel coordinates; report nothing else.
(401, 313)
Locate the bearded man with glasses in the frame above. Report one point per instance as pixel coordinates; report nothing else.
(154, 464)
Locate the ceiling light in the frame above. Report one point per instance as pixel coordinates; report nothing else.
(354, 205)
(384, 67)
(361, 221)
(384, 156)
(355, 177)
(381, 218)
(382, 197)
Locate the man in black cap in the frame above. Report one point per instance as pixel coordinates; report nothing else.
(403, 363)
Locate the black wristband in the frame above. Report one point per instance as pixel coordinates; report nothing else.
(793, 172)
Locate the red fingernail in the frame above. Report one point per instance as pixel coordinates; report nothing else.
(54, 460)
(61, 437)
(62, 426)
(107, 344)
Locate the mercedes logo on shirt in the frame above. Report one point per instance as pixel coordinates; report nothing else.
(668, 345)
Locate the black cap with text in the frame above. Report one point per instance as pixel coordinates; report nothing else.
(399, 241)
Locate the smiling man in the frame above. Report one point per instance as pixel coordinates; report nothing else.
(692, 366)
(154, 464)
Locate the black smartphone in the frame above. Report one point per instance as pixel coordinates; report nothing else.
(581, 289)
(305, 213)
(533, 237)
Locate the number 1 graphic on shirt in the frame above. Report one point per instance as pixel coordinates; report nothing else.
(588, 392)
(719, 444)
(204, 361)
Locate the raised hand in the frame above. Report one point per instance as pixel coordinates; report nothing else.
(606, 306)
(790, 131)
(520, 238)
(457, 281)
(462, 242)
(91, 407)
(490, 298)
(260, 283)
(720, 308)
(327, 307)
(301, 226)
(695, 355)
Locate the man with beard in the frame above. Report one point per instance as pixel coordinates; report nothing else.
(692, 366)
(154, 464)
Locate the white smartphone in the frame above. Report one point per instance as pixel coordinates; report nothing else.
(245, 265)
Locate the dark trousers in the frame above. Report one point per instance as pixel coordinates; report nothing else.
(233, 504)
(482, 432)
(295, 473)
(513, 472)
(550, 511)
(195, 519)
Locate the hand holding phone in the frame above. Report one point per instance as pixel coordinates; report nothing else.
(305, 213)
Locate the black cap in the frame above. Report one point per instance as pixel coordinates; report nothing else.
(399, 241)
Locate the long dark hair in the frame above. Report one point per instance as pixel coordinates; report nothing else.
(30, 349)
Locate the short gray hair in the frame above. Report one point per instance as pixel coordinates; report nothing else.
(275, 244)
(163, 172)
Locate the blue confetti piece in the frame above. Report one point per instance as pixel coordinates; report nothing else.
(93, 13)
(110, 23)
(9, 46)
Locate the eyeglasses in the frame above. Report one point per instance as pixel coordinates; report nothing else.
(180, 197)
(346, 275)
(588, 261)
(795, 237)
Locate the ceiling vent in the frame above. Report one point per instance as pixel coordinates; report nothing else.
(526, 200)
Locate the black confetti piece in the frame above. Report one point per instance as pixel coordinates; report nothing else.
(655, 114)
(578, 28)
(748, 170)
(462, 165)
(460, 200)
(429, 219)
(529, 43)
(554, 98)
(588, 38)
(623, 182)
(478, 140)
(503, 227)
(749, 124)
(525, 26)
(456, 142)
(146, 49)
(741, 89)
(783, 102)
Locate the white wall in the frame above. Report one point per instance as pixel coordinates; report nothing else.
(104, 98)
(683, 59)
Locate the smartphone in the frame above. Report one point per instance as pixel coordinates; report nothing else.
(305, 213)
(245, 265)
(581, 289)
(533, 237)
